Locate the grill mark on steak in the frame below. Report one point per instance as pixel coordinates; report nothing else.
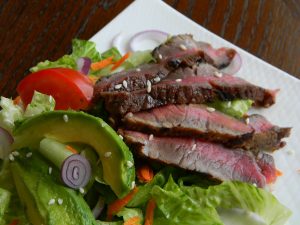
(214, 159)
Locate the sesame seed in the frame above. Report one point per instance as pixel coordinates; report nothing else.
(150, 137)
(121, 136)
(50, 170)
(247, 120)
(291, 152)
(125, 83)
(11, 157)
(60, 201)
(118, 86)
(138, 70)
(107, 154)
(254, 184)
(29, 154)
(218, 74)
(194, 147)
(132, 184)
(228, 104)
(148, 86)
(130, 114)
(129, 164)
(65, 118)
(259, 155)
(210, 109)
(178, 80)
(156, 79)
(182, 47)
(15, 153)
(81, 190)
(51, 201)
(160, 56)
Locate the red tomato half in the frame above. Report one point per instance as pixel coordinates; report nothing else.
(68, 87)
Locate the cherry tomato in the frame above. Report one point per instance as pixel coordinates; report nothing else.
(68, 87)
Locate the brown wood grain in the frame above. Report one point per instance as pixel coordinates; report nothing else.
(32, 31)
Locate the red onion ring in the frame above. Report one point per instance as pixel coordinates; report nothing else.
(154, 35)
(76, 171)
(83, 65)
(98, 208)
(234, 65)
(6, 141)
(116, 41)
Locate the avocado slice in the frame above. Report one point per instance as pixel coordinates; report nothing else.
(71, 126)
(37, 189)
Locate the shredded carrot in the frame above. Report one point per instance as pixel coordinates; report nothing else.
(278, 173)
(17, 100)
(101, 64)
(117, 205)
(150, 212)
(14, 222)
(145, 174)
(120, 62)
(71, 149)
(133, 221)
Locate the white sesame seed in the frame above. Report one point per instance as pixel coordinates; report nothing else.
(194, 147)
(125, 83)
(291, 152)
(11, 157)
(150, 137)
(138, 70)
(218, 74)
(60, 201)
(29, 154)
(156, 79)
(129, 164)
(210, 109)
(148, 86)
(247, 120)
(15, 153)
(259, 155)
(132, 184)
(51, 201)
(121, 136)
(81, 190)
(118, 86)
(107, 154)
(130, 114)
(178, 80)
(228, 104)
(254, 184)
(182, 47)
(65, 118)
(50, 170)
(160, 56)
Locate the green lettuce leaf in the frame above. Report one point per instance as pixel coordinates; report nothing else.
(80, 48)
(4, 200)
(236, 108)
(128, 213)
(112, 52)
(229, 195)
(138, 58)
(98, 222)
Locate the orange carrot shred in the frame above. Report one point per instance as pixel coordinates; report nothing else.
(150, 212)
(117, 205)
(17, 100)
(14, 222)
(101, 64)
(71, 149)
(145, 174)
(133, 221)
(120, 62)
(278, 173)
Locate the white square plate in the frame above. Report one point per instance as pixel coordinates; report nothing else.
(155, 14)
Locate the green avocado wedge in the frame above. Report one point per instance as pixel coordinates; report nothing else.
(71, 126)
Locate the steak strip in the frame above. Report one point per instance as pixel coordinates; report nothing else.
(197, 155)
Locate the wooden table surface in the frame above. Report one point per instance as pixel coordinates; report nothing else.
(32, 31)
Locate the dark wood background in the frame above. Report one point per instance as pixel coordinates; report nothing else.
(32, 31)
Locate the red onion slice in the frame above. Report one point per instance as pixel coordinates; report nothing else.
(98, 208)
(116, 41)
(76, 171)
(84, 64)
(234, 66)
(154, 35)
(5, 142)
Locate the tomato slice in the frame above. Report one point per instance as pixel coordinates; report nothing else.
(68, 87)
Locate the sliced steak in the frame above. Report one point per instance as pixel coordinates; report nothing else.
(189, 120)
(197, 155)
(181, 46)
(198, 89)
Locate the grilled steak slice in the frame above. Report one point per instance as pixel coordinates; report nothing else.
(196, 155)
(134, 79)
(198, 89)
(181, 46)
(189, 120)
